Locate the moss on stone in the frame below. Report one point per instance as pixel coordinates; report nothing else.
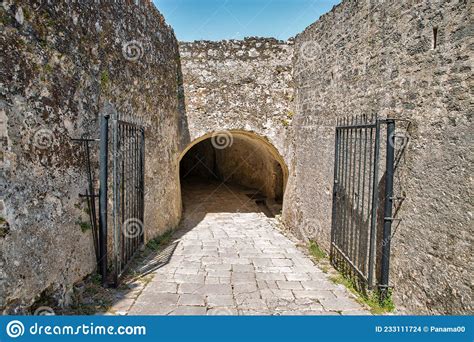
(85, 226)
(5, 19)
(161, 241)
(4, 227)
(104, 80)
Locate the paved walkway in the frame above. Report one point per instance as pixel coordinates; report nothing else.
(230, 259)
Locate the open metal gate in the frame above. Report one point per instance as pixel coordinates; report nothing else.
(359, 249)
(127, 190)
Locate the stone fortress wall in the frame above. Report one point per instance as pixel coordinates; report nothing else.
(238, 85)
(61, 62)
(408, 60)
(363, 57)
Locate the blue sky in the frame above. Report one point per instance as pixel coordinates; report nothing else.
(236, 19)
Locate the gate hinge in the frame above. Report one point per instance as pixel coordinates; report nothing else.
(397, 198)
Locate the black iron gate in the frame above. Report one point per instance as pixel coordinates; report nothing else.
(359, 249)
(128, 174)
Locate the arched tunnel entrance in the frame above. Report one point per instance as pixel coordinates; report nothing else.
(232, 172)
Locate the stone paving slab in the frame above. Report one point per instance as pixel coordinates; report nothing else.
(237, 263)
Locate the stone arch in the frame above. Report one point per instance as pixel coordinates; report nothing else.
(259, 142)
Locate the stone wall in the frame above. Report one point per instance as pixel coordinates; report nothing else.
(406, 60)
(61, 62)
(252, 165)
(238, 85)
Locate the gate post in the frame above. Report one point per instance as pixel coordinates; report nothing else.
(335, 192)
(103, 175)
(375, 202)
(387, 225)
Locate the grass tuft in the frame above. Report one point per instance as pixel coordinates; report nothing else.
(372, 299)
(377, 303)
(104, 80)
(85, 226)
(161, 241)
(316, 252)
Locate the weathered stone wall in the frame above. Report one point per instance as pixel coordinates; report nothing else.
(252, 165)
(61, 61)
(368, 57)
(238, 85)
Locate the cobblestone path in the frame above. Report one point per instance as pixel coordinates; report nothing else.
(231, 259)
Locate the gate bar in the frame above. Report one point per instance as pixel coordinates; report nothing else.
(335, 188)
(348, 260)
(116, 198)
(91, 202)
(103, 162)
(375, 201)
(387, 225)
